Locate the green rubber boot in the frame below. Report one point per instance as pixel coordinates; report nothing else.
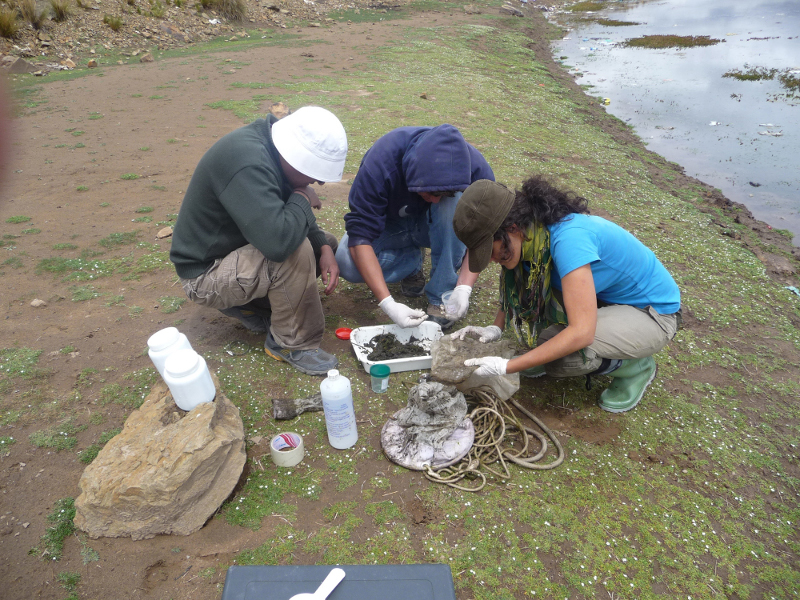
(630, 381)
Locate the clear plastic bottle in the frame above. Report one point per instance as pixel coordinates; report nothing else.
(187, 376)
(163, 343)
(340, 418)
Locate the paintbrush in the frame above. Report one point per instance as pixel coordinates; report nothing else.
(286, 408)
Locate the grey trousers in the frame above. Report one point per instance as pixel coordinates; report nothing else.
(622, 332)
(246, 275)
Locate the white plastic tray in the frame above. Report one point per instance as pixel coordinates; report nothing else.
(427, 333)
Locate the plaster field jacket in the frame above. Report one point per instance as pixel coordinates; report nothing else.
(402, 163)
(239, 195)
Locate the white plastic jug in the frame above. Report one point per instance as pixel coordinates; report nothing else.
(340, 418)
(163, 343)
(187, 376)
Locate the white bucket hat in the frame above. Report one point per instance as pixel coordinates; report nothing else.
(313, 141)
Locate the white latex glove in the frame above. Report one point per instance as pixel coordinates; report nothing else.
(491, 333)
(459, 302)
(488, 365)
(401, 314)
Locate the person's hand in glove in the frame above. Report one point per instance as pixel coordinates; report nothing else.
(488, 365)
(491, 333)
(459, 302)
(401, 314)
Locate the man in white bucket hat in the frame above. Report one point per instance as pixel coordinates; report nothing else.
(246, 241)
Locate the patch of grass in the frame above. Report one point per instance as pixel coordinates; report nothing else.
(615, 23)
(129, 176)
(119, 239)
(94, 116)
(79, 145)
(144, 209)
(145, 148)
(78, 133)
(60, 9)
(82, 293)
(114, 300)
(170, 304)
(68, 349)
(31, 231)
(91, 452)
(588, 6)
(115, 23)
(135, 311)
(6, 441)
(86, 378)
(172, 141)
(671, 41)
(18, 219)
(133, 395)
(160, 188)
(58, 438)
(20, 363)
(65, 246)
(30, 13)
(15, 262)
(232, 10)
(51, 544)
(9, 27)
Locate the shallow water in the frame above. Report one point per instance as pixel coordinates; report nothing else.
(742, 137)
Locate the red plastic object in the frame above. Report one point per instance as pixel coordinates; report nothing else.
(343, 333)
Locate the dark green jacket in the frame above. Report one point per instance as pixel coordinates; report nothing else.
(239, 195)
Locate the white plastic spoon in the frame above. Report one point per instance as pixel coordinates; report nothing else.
(325, 588)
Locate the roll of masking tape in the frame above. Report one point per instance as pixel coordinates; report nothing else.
(287, 449)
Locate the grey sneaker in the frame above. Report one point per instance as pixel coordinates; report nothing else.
(254, 321)
(437, 315)
(413, 286)
(310, 362)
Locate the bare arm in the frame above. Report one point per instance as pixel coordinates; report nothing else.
(580, 303)
(370, 269)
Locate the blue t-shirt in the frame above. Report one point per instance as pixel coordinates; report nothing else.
(625, 271)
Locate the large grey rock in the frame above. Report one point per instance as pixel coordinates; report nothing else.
(167, 472)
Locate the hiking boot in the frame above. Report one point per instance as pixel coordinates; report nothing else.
(310, 362)
(254, 321)
(413, 286)
(437, 315)
(631, 380)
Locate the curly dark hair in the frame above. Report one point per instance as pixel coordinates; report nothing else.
(542, 202)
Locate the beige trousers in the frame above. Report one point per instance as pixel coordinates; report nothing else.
(622, 332)
(245, 275)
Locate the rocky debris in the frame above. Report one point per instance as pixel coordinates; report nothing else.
(36, 303)
(279, 109)
(165, 232)
(84, 33)
(510, 10)
(167, 472)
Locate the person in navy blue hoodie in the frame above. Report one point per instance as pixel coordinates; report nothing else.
(402, 201)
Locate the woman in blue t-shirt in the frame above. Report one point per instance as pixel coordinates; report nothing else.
(584, 294)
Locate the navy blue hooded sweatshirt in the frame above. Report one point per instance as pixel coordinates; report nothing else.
(402, 163)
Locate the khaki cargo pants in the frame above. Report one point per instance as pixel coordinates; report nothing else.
(622, 332)
(245, 275)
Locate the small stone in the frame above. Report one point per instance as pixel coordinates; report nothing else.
(279, 109)
(146, 58)
(36, 303)
(164, 233)
(92, 64)
(68, 63)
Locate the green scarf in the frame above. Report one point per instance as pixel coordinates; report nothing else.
(526, 296)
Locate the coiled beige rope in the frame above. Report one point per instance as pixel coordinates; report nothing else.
(497, 431)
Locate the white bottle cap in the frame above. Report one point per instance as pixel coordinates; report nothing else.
(333, 373)
(182, 363)
(161, 339)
